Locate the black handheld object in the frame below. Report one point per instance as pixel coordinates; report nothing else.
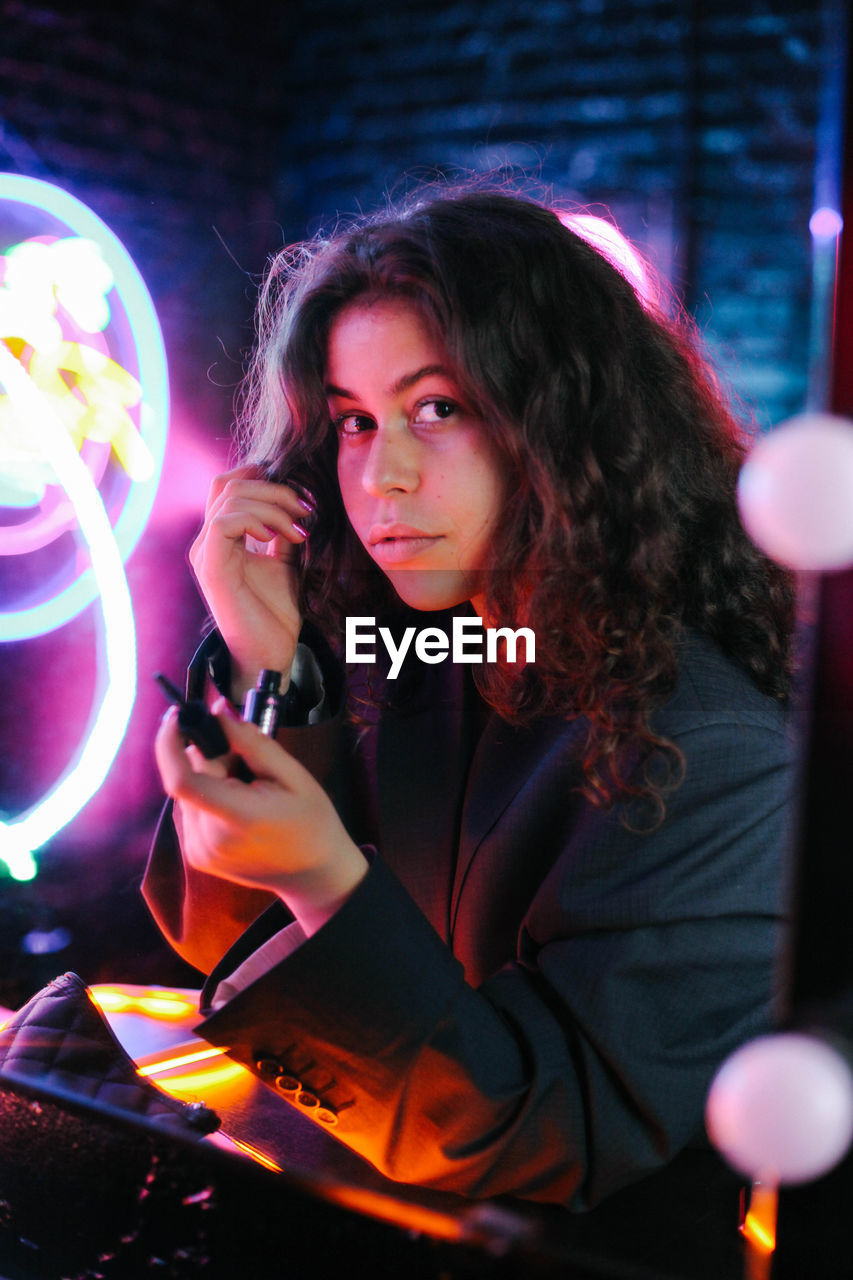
(195, 721)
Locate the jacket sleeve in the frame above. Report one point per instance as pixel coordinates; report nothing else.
(201, 915)
(584, 1063)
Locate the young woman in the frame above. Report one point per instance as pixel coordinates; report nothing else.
(511, 916)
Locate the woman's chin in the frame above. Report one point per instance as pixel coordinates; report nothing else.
(430, 589)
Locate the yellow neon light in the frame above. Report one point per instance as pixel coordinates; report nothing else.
(155, 1004)
(166, 1007)
(89, 393)
(98, 412)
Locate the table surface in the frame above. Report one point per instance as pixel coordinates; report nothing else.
(679, 1223)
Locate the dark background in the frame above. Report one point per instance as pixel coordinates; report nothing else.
(207, 135)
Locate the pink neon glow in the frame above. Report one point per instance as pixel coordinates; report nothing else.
(190, 464)
(604, 236)
(134, 335)
(21, 837)
(54, 513)
(825, 223)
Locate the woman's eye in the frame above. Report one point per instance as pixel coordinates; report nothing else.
(352, 424)
(435, 410)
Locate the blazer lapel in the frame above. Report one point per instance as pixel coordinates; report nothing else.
(426, 752)
(505, 758)
(423, 752)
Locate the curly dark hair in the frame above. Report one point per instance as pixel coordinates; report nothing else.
(621, 528)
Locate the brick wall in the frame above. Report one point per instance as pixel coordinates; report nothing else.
(757, 75)
(695, 124)
(155, 115)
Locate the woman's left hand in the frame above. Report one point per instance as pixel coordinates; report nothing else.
(279, 832)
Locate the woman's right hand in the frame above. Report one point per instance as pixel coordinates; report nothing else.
(245, 562)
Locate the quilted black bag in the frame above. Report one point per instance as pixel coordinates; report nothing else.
(60, 1040)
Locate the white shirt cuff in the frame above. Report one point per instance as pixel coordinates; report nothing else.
(273, 951)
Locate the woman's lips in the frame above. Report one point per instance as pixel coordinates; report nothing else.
(396, 548)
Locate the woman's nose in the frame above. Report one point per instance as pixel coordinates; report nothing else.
(391, 463)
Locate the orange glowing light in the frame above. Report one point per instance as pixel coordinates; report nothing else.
(759, 1230)
(165, 1068)
(403, 1213)
(167, 1064)
(206, 1078)
(165, 1007)
(254, 1154)
(758, 1233)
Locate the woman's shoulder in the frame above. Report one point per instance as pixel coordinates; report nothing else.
(715, 689)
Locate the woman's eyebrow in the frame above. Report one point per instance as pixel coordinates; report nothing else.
(409, 379)
(402, 384)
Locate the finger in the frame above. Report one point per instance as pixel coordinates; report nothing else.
(267, 526)
(276, 548)
(215, 794)
(264, 526)
(236, 516)
(257, 510)
(219, 767)
(219, 483)
(256, 490)
(172, 760)
(178, 762)
(266, 758)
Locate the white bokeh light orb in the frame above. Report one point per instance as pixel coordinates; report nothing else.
(781, 1108)
(796, 493)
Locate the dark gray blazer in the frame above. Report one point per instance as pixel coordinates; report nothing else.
(523, 996)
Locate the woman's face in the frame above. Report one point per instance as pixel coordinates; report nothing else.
(420, 478)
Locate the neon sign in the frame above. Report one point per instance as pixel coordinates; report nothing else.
(83, 416)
